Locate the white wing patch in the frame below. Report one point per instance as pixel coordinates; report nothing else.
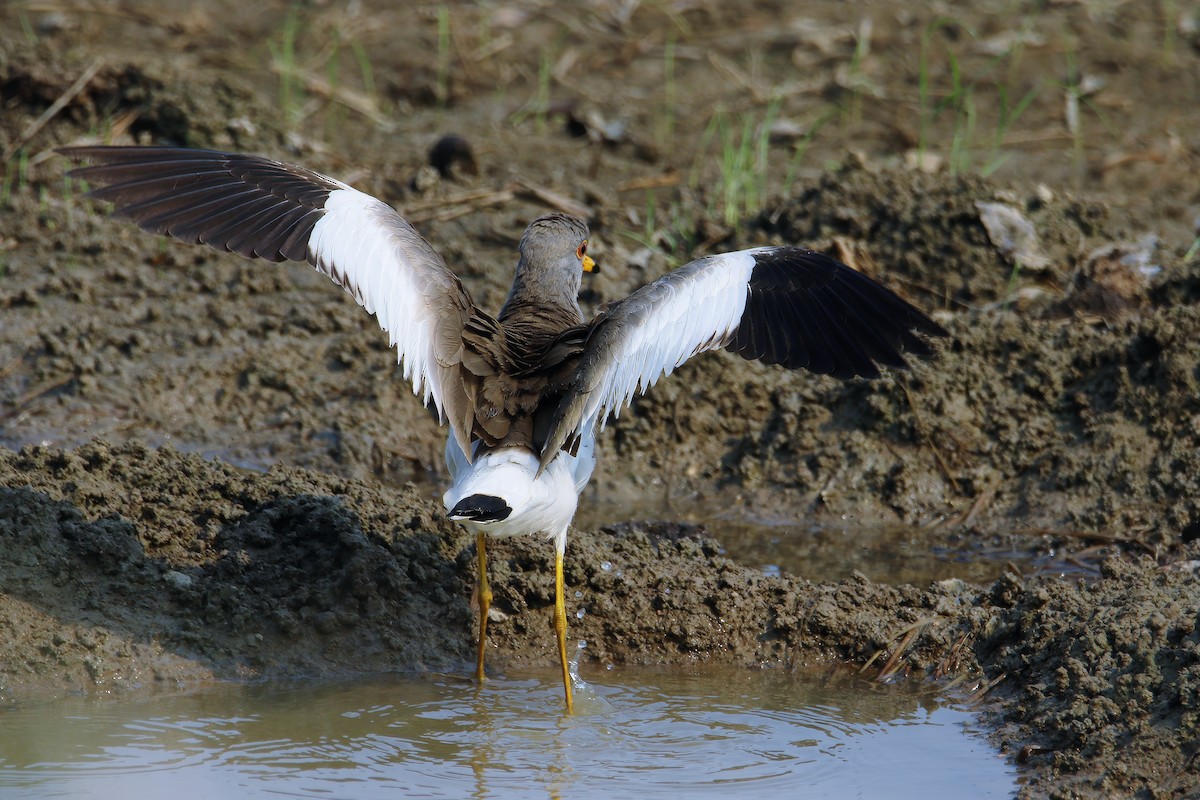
(689, 311)
(363, 245)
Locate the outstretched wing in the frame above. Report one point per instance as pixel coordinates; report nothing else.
(261, 208)
(780, 305)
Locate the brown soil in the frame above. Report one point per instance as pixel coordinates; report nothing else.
(212, 468)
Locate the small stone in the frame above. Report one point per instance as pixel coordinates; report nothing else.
(325, 622)
(178, 580)
(452, 152)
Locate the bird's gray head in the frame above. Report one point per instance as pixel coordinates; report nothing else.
(553, 260)
(556, 243)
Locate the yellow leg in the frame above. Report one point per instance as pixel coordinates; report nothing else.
(485, 602)
(560, 628)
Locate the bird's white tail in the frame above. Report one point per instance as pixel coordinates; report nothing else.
(502, 492)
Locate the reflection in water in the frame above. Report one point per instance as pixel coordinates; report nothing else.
(826, 550)
(661, 733)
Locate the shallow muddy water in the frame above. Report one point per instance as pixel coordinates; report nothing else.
(823, 550)
(655, 733)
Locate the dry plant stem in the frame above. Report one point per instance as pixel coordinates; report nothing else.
(58, 105)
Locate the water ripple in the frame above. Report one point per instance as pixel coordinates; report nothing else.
(655, 734)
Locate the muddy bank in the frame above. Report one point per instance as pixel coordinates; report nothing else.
(1099, 684)
(127, 568)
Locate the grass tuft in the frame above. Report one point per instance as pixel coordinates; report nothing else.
(743, 161)
(283, 53)
(665, 124)
(964, 100)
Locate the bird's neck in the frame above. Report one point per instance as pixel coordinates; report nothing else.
(554, 303)
(536, 313)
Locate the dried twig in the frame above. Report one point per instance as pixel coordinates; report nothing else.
(1079, 563)
(926, 440)
(671, 178)
(12, 365)
(116, 132)
(20, 402)
(986, 687)
(950, 661)
(984, 498)
(453, 207)
(350, 98)
(734, 74)
(529, 191)
(58, 105)
(447, 208)
(908, 632)
(484, 196)
(1095, 536)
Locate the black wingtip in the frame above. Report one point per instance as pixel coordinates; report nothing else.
(807, 310)
(246, 204)
(481, 508)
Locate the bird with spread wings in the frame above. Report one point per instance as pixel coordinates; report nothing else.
(524, 392)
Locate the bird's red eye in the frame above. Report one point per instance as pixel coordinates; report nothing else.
(581, 251)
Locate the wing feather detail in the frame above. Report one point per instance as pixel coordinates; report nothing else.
(648, 335)
(261, 208)
(393, 273)
(779, 305)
